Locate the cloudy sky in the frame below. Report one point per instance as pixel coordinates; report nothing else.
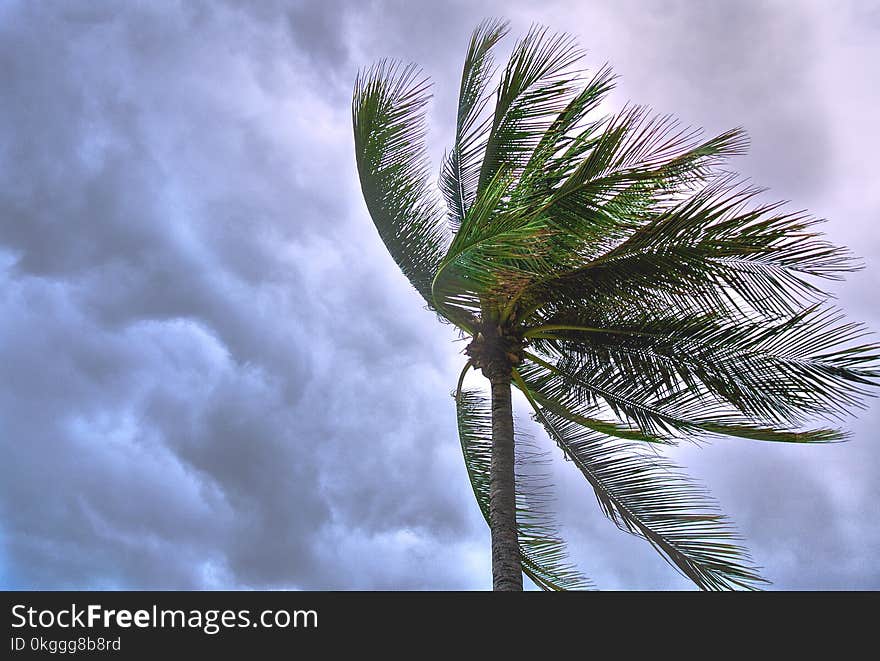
(214, 375)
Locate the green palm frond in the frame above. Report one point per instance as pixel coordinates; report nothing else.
(636, 149)
(591, 418)
(543, 553)
(687, 413)
(809, 364)
(712, 250)
(461, 169)
(389, 131)
(650, 497)
(568, 135)
(533, 91)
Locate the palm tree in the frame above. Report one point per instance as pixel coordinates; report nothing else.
(633, 291)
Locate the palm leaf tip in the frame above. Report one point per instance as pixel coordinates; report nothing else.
(461, 167)
(535, 87)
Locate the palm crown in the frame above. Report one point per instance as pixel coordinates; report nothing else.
(608, 267)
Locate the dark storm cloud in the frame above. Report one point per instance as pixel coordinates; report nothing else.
(196, 400)
(216, 377)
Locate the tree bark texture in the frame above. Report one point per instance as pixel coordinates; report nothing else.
(506, 566)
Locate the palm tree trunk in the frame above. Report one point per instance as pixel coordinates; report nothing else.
(506, 566)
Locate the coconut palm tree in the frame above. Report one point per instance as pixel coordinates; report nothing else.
(632, 290)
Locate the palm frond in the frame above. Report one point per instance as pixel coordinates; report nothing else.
(590, 417)
(568, 135)
(710, 247)
(636, 146)
(798, 366)
(535, 88)
(649, 496)
(489, 254)
(389, 129)
(461, 168)
(573, 386)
